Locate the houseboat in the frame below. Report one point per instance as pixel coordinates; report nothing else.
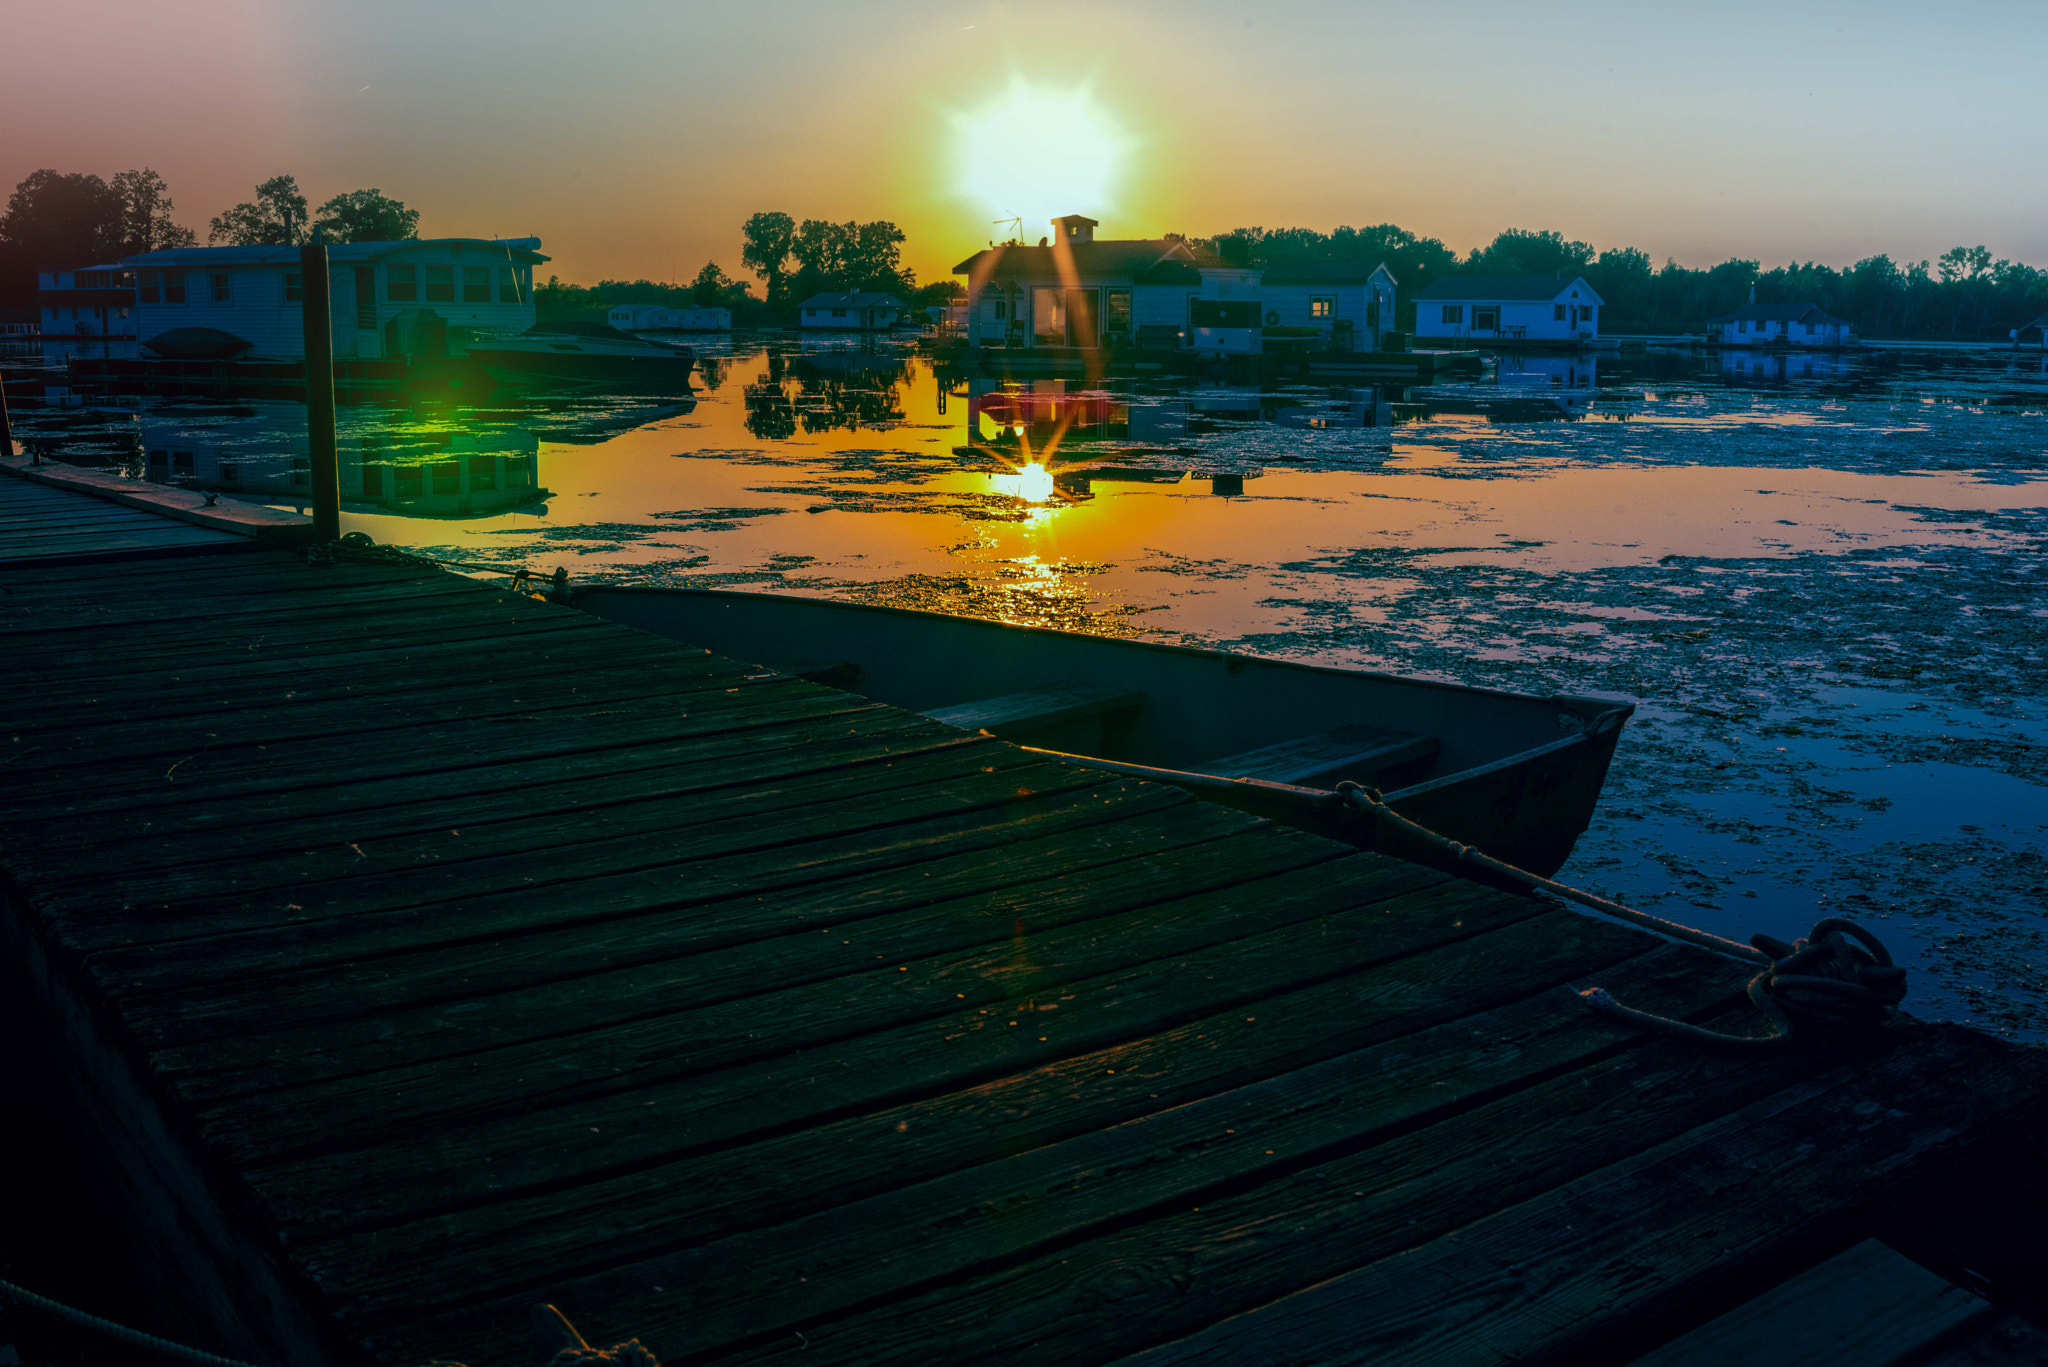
(1797, 327)
(1509, 310)
(86, 311)
(1072, 293)
(660, 318)
(388, 299)
(850, 311)
(1342, 305)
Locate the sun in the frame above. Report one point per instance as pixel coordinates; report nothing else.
(1037, 151)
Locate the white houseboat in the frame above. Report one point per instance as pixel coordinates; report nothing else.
(387, 299)
(661, 318)
(86, 311)
(1798, 326)
(1555, 310)
(1349, 303)
(1072, 291)
(850, 311)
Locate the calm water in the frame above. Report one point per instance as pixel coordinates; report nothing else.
(1822, 578)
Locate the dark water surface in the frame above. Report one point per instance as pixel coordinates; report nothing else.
(1822, 577)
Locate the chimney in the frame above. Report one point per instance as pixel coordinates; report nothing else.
(1074, 229)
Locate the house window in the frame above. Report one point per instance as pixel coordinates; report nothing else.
(294, 291)
(1454, 313)
(1002, 309)
(181, 461)
(810, 313)
(223, 288)
(1586, 314)
(1809, 329)
(838, 313)
(174, 287)
(483, 472)
(373, 479)
(1742, 325)
(1372, 313)
(440, 284)
(1486, 317)
(159, 457)
(1557, 312)
(508, 285)
(401, 284)
(447, 473)
(476, 284)
(408, 481)
(1116, 312)
(1322, 306)
(230, 474)
(302, 472)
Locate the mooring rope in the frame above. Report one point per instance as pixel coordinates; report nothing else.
(119, 1331)
(1840, 978)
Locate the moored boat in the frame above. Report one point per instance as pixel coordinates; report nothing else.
(1517, 776)
(584, 354)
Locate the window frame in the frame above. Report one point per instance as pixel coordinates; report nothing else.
(1453, 315)
(294, 287)
(476, 284)
(1486, 317)
(432, 289)
(1322, 306)
(178, 288)
(223, 287)
(409, 282)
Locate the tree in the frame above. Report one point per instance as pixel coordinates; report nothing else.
(873, 258)
(146, 224)
(56, 219)
(768, 239)
(366, 216)
(712, 288)
(1518, 251)
(275, 218)
(820, 247)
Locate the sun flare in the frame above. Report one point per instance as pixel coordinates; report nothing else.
(1037, 151)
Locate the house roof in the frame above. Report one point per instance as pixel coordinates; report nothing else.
(851, 299)
(1323, 272)
(521, 249)
(1505, 288)
(1124, 256)
(1779, 313)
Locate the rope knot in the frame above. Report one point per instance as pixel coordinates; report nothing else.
(1840, 978)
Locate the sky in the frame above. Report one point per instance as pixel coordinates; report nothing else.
(635, 138)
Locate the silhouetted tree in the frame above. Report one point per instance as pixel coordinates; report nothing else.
(275, 218)
(767, 241)
(146, 224)
(56, 219)
(366, 216)
(1518, 251)
(712, 288)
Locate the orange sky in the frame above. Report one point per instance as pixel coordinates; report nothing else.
(634, 137)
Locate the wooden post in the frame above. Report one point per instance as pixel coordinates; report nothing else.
(319, 328)
(7, 432)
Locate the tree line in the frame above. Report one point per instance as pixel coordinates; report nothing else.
(68, 219)
(1964, 294)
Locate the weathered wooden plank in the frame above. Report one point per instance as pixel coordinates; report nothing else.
(1555, 1276)
(533, 735)
(684, 681)
(928, 1055)
(409, 872)
(56, 823)
(1193, 1263)
(157, 625)
(1865, 1307)
(285, 1023)
(592, 880)
(93, 708)
(1110, 1133)
(858, 862)
(138, 539)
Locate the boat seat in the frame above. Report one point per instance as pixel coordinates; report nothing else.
(1354, 752)
(1034, 709)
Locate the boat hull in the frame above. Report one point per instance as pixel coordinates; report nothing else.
(1515, 775)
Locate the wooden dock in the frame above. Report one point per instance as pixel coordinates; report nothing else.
(430, 951)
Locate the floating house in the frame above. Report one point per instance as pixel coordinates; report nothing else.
(86, 311)
(386, 299)
(1781, 325)
(1350, 303)
(850, 311)
(659, 318)
(1072, 291)
(1545, 309)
